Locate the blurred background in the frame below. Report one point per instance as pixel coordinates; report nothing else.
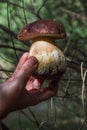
(66, 110)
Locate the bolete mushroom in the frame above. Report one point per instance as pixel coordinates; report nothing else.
(43, 33)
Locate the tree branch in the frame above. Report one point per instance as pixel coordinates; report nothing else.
(38, 11)
(10, 47)
(73, 65)
(73, 14)
(5, 29)
(11, 33)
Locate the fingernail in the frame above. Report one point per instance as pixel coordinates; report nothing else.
(33, 61)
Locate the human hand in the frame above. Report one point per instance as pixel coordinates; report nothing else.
(23, 89)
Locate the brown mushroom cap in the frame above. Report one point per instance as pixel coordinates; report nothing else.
(39, 28)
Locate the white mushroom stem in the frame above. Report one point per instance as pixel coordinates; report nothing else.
(50, 57)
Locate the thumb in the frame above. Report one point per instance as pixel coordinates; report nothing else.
(27, 69)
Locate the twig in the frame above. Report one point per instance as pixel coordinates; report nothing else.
(83, 75)
(11, 35)
(6, 59)
(28, 117)
(33, 115)
(6, 72)
(5, 29)
(11, 3)
(68, 84)
(24, 11)
(73, 65)
(67, 45)
(84, 4)
(41, 124)
(38, 11)
(19, 120)
(19, 6)
(10, 71)
(3, 126)
(3, 78)
(73, 14)
(9, 32)
(10, 47)
(84, 100)
(73, 80)
(82, 125)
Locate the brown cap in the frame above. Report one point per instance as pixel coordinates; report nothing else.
(39, 28)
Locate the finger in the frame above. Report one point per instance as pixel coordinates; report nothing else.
(33, 84)
(21, 62)
(27, 69)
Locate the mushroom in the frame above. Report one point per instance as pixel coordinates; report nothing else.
(43, 33)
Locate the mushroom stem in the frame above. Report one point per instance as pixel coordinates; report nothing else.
(50, 57)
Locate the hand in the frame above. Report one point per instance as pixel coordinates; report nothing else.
(23, 89)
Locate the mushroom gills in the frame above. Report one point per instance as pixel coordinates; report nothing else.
(51, 59)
